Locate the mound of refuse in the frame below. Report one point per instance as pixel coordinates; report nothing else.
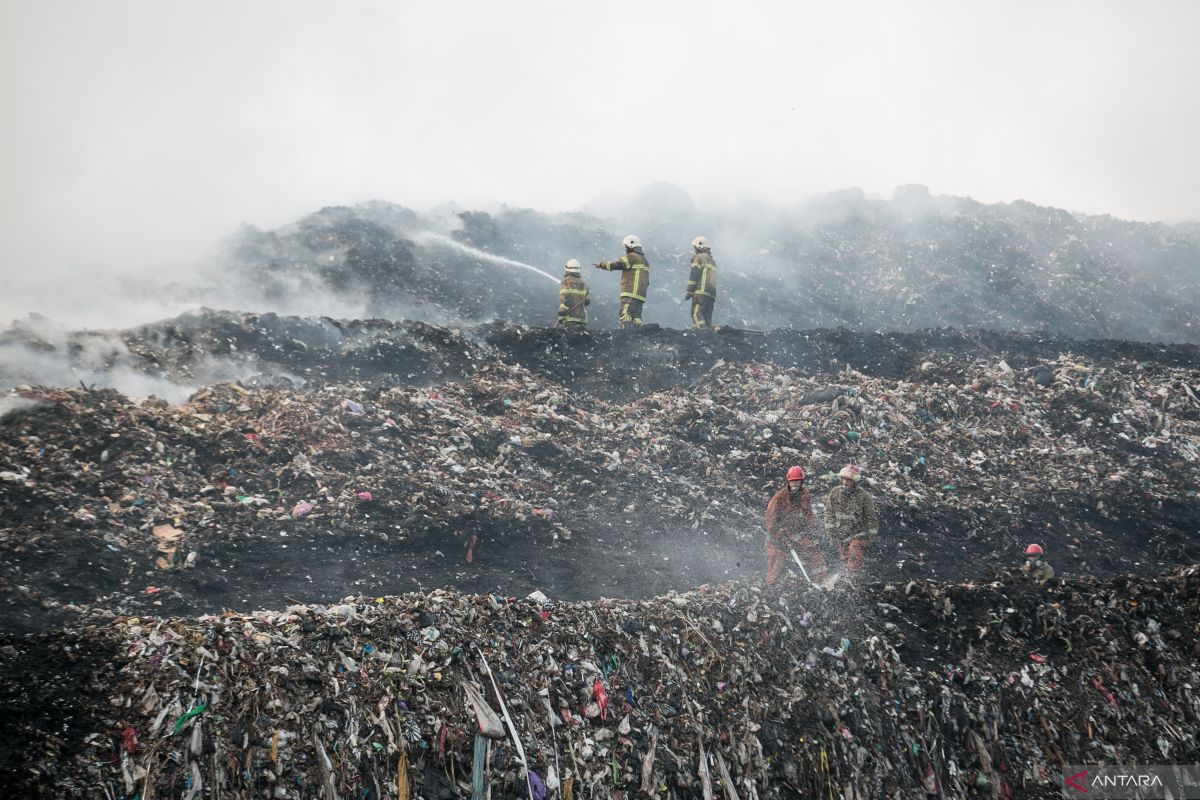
(893, 690)
(441, 513)
(555, 464)
(174, 357)
(910, 262)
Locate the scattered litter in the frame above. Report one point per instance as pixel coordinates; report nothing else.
(1017, 680)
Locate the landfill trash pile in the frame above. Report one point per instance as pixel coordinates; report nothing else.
(249, 496)
(396, 262)
(910, 262)
(572, 477)
(895, 690)
(204, 347)
(627, 364)
(398, 487)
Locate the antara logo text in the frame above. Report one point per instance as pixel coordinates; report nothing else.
(1079, 781)
(1140, 781)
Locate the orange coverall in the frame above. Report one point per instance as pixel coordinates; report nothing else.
(790, 523)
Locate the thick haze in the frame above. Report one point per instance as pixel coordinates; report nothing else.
(138, 134)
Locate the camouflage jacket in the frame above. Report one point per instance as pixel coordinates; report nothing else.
(850, 514)
(1039, 569)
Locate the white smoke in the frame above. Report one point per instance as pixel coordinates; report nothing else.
(41, 352)
(11, 404)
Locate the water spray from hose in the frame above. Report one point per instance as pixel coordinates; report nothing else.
(446, 241)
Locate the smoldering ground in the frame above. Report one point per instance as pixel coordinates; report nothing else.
(914, 261)
(479, 452)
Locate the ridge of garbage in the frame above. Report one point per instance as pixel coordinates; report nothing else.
(571, 468)
(207, 346)
(112, 504)
(911, 262)
(896, 690)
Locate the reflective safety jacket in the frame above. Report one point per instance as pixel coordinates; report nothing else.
(573, 299)
(788, 518)
(703, 280)
(635, 274)
(850, 514)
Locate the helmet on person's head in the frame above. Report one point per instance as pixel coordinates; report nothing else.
(795, 474)
(1033, 550)
(632, 242)
(700, 243)
(852, 472)
(572, 267)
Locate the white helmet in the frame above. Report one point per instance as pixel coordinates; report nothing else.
(852, 472)
(631, 242)
(700, 243)
(572, 267)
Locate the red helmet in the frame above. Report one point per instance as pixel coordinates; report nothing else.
(795, 474)
(1033, 550)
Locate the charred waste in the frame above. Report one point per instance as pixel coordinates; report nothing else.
(298, 556)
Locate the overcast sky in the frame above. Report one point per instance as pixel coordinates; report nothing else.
(137, 132)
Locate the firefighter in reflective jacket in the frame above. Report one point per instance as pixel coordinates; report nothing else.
(573, 298)
(702, 284)
(635, 280)
(790, 523)
(850, 518)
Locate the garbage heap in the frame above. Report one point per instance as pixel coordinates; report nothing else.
(205, 347)
(968, 462)
(897, 690)
(913, 262)
(978, 457)
(174, 357)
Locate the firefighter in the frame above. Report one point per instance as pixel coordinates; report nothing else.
(635, 280)
(1036, 564)
(573, 298)
(702, 284)
(790, 522)
(850, 518)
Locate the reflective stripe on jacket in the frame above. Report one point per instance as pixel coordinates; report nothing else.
(573, 299)
(703, 279)
(635, 274)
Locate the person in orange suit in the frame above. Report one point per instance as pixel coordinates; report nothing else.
(790, 523)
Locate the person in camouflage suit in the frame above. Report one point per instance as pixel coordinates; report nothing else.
(850, 519)
(635, 280)
(702, 284)
(573, 298)
(1036, 564)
